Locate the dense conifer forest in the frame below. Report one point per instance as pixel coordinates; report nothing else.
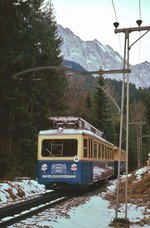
(29, 39)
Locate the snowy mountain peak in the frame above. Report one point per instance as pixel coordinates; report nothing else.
(92, 55)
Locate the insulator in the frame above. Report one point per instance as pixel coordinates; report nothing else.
(116, 24)
(139, 22)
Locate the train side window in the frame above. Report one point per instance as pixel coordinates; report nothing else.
(95, 150)
(112, 154)
(103, 151)
(85, 148)
(106, 152)
(99, 150)
(90, 148)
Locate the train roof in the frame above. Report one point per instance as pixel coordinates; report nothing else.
(75, 123)
(61, 131)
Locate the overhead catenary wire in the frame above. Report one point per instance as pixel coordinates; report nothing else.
(139, 60)
(139, 9)
(113, 4)
(114, 10)
(139, 32)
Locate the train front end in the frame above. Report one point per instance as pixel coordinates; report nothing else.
(59, 164)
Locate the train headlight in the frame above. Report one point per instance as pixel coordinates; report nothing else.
(74, 168)
(44, 168)
(60, 130)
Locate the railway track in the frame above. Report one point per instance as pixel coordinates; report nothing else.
(14, 213)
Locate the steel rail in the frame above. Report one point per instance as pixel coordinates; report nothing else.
(11, 214)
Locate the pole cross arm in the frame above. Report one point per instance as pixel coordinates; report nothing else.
(134, 29)
(60, 68)
(101, 72)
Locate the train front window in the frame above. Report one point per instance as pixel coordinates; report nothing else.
(59, 148)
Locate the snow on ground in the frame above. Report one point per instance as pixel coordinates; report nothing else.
(85, 211)
(92, 212)
(141, 171)
(14, 191)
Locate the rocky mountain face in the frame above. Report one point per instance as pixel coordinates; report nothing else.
(92, 56)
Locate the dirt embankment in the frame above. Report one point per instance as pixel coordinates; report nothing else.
(138, 191)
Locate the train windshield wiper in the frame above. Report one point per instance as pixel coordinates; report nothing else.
(49, 152)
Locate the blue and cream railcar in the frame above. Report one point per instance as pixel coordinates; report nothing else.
(74, 157)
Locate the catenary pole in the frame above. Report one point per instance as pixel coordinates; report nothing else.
(127, 47)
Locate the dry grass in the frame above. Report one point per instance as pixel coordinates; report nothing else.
(138, 191)
(19, 192)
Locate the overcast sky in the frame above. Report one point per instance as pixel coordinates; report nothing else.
(93, 19)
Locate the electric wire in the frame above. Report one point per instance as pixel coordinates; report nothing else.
(139, 32)
(114, 11)
(139, 70)
(113, 4)
(139, 9)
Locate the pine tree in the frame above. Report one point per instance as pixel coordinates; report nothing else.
(28, 38)
(100, 105)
